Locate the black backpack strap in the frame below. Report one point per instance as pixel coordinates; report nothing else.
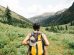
(43, 44)
(29, 50)
(29, 45)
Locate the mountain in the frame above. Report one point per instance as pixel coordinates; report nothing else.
(61, 17)
(65, 17)
(41, 18)
(17, 20)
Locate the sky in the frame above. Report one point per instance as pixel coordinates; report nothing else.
(30, 8)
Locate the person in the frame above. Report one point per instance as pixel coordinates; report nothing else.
(36, 41)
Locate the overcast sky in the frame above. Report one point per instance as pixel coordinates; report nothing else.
(30, 8)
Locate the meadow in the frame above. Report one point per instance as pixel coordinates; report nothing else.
(61, 42)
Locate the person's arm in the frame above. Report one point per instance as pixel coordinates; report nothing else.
(45, 50)
(25, 41)
(45, 39)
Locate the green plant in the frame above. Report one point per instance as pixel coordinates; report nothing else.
(8, 15)
(71, 44)
(66, 27)
(47, 29)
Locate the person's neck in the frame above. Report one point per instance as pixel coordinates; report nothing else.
(37, 31)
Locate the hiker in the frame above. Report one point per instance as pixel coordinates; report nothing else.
(37, 41)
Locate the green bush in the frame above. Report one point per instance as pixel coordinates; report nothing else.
(71, 44)
(71, 31)
(9, 50)
(61, 28)
(21, 35)
(47, 29)
(71, 51)
(54, 29)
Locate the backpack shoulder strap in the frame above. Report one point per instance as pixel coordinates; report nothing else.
(39, 37)
(32, 34)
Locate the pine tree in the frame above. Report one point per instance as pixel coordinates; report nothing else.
(71, 23)
(66, 27)
(8, 15)
(58, 27)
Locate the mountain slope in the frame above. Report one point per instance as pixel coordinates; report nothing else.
(17, 20)
(61, 17)
(66, 17)
(41, 18)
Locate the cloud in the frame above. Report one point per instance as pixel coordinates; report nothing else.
(26, 10)
(12, 4)
(34, 9)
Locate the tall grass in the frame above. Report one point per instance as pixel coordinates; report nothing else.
(11, 37)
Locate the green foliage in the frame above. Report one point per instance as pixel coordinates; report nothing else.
(7, 15)
(58, 27)
(53, 28)
(61, 28)
(71, 32)
(71, 23)
(11, 38)
(21, 35)
(66, 27)
(47, 29)
(12, 18)
(71, 44)
(9, 50)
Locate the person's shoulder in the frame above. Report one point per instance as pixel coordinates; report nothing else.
(43, 34)
(29, 34)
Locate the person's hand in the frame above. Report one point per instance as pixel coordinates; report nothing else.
(27, 42)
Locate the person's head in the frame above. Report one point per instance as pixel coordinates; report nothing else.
(36, 26)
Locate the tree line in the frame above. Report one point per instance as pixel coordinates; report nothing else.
(7, 18)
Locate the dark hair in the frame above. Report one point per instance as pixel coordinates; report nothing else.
(36, 26)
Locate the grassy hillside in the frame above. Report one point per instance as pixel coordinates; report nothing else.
(10, 39)
(17, 20)
(61, 43)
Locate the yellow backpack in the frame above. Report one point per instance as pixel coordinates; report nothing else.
(37, 49)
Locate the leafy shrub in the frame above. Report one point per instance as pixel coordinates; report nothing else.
(66, 27)
(21, 35)
(71, 32)
(11, 35)
(1, 45)
(58, 27)
(23, 50)
(5, 50)
(71, 51)
(17, 44)
(54, 29)
(9, 49)
(61, 28)
(4, 40)
(47, 29)
(71, 44)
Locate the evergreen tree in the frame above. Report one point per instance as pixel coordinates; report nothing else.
(71, 23)
(66, 27)
(58, 27)
(8, 15)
